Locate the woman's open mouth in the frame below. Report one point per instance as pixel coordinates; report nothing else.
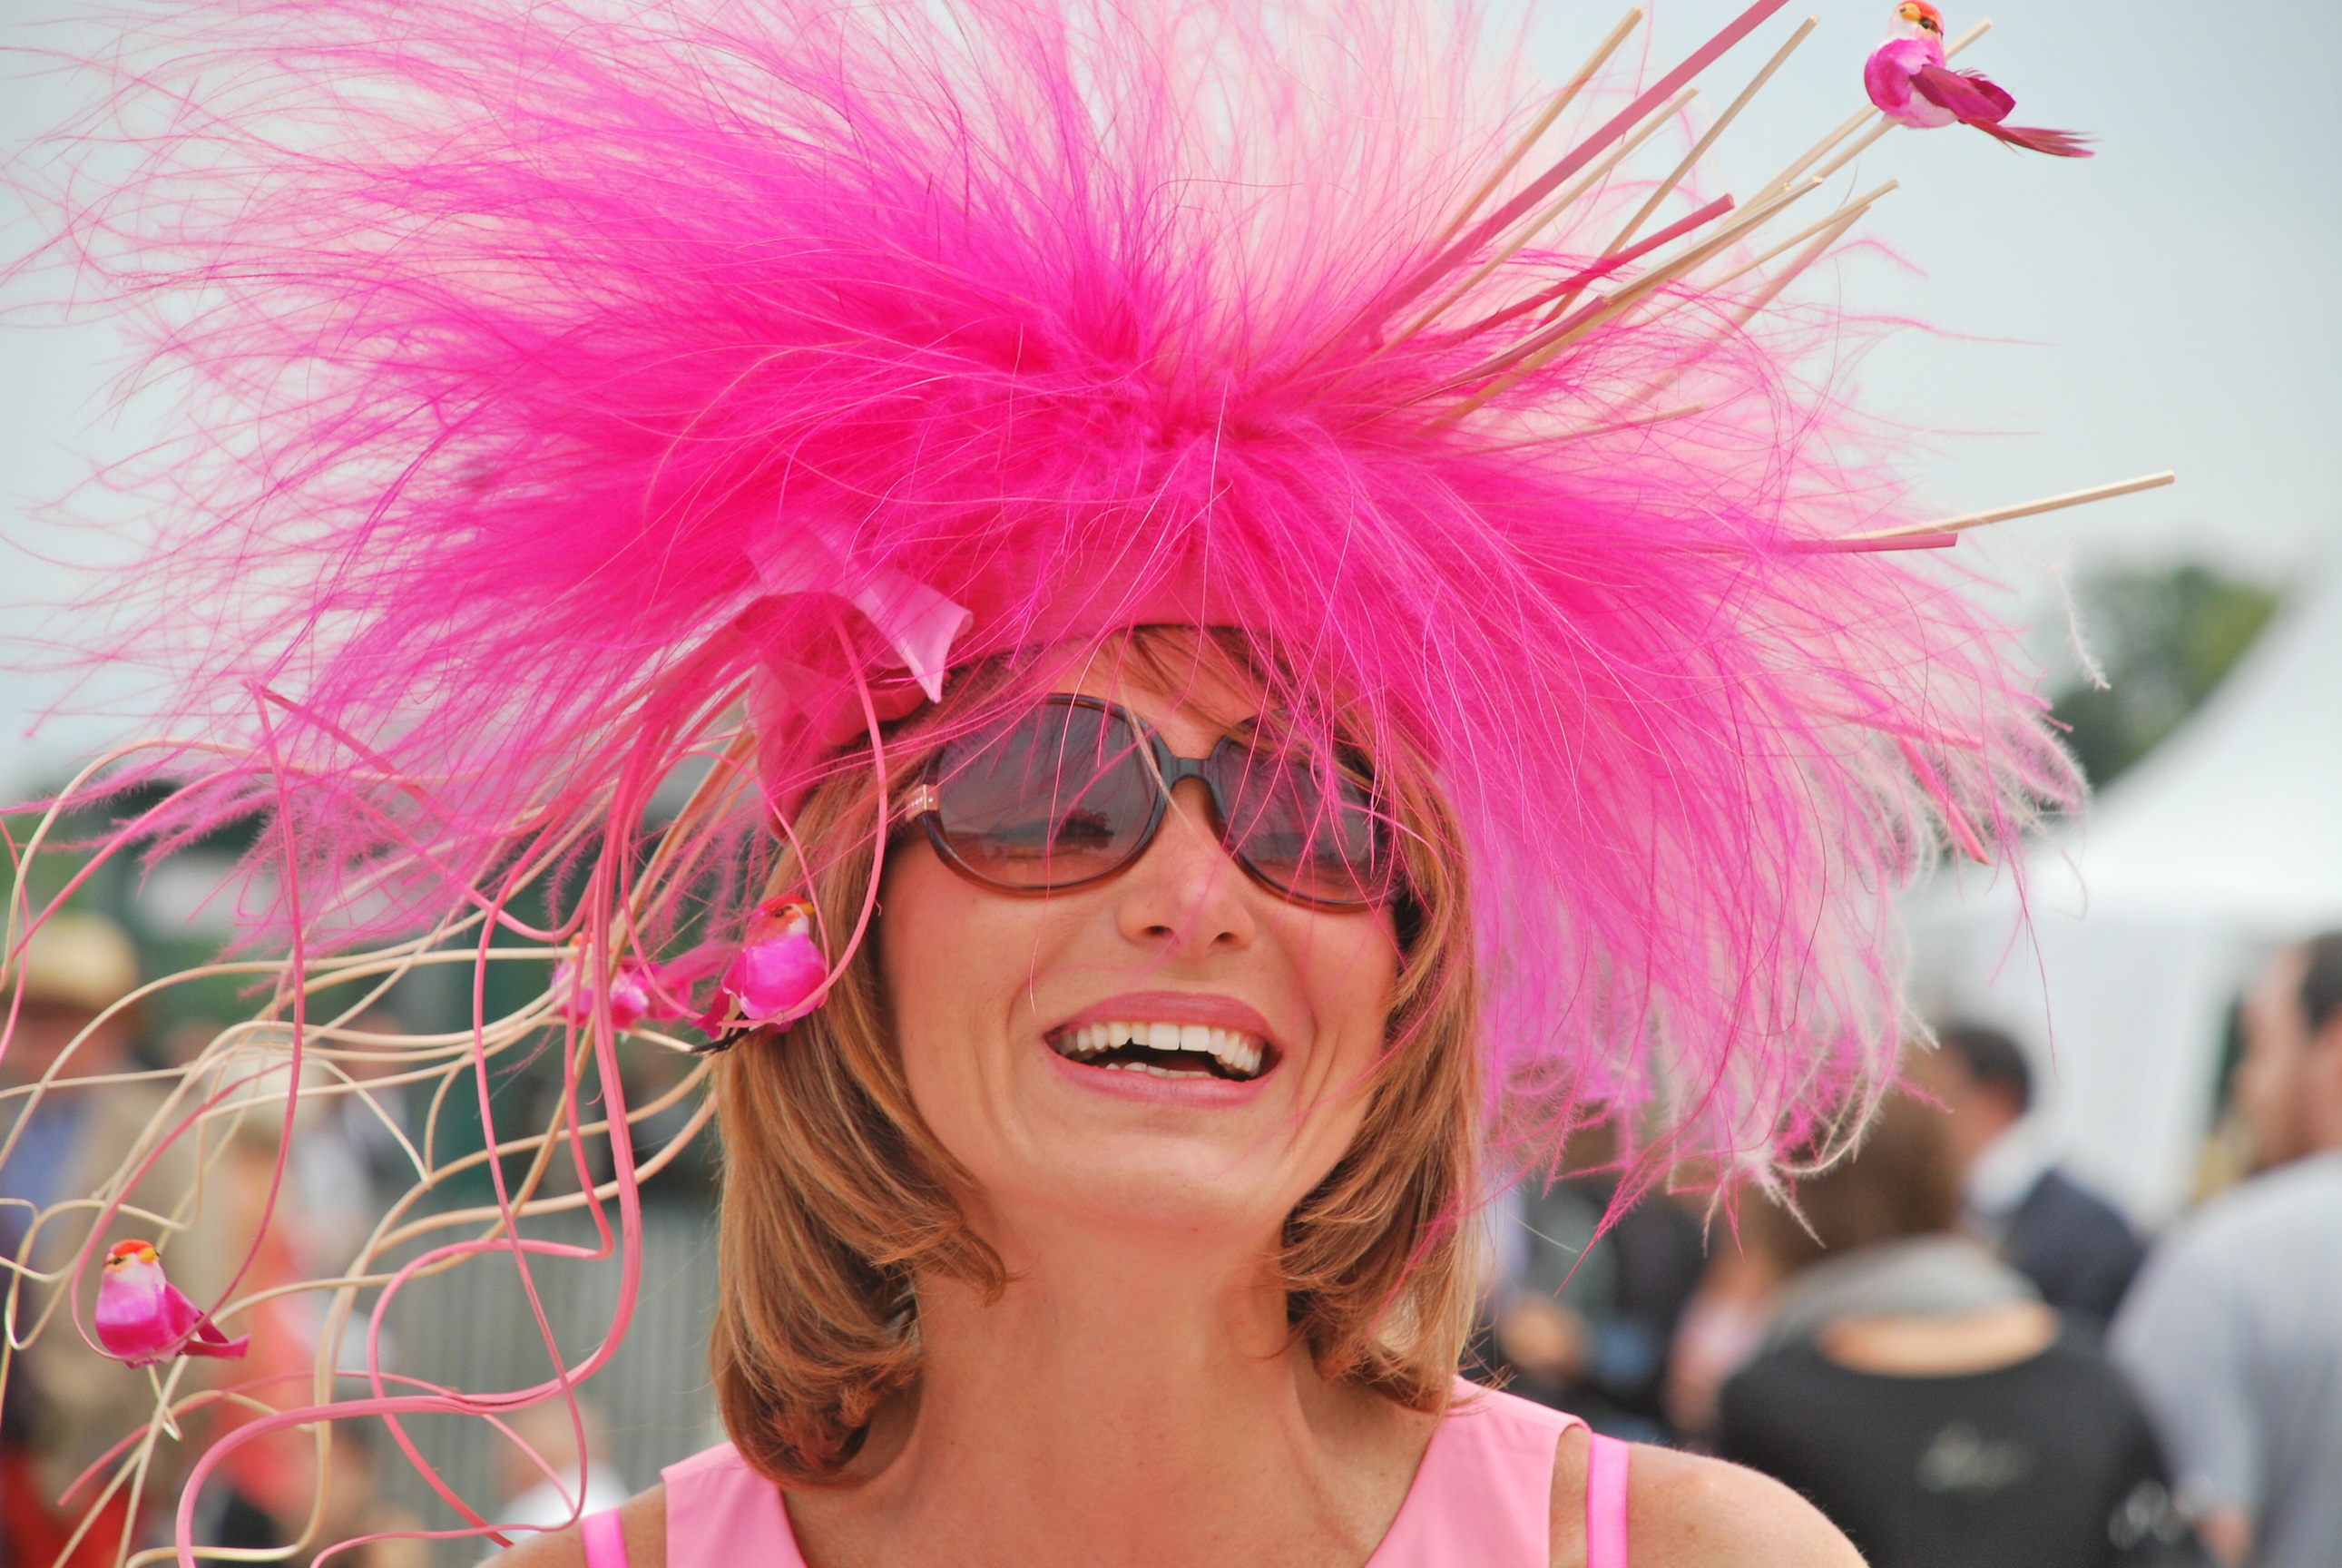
(1166, 1050)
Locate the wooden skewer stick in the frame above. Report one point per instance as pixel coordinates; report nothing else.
(1820, 149)
(1859, 118)
(2003, 513)
(1682, 410)
(1554, 302)
(1540, 189)
(1823, 236)
(1832, 227)
(1837, 220)
(1831, 233)
(1542, 348)
(1554, 339)
(1699, 149)
(1544, 122)
(1862, 145)
(1536, 223)
(1605, 428)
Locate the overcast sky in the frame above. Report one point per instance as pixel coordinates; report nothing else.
(2169, 304)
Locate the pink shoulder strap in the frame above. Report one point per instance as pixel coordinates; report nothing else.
(1482, 1495)
(1605, 1502)
(606, 1542)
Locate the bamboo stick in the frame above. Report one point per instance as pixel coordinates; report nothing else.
(1555, 300)
(1824, 235)
(1700, 148)
(1819, 150)
(1606, 428)
(1862, 145)
(1529, 230)
(1804, 258)
(1544, 122)
(1543, 347)
(1453, 254)
(1833, 226)
(1836, 219)
(2003, 513)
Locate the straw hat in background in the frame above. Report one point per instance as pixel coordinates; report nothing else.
(80, 961)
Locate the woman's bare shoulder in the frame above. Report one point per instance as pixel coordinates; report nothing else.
(1684, 1511)
(643, 1518)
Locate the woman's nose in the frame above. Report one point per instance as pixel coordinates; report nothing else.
(1187, 894)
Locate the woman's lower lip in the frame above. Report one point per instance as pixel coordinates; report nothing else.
(1201, 1091)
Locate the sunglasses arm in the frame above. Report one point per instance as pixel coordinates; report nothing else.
(921, 802)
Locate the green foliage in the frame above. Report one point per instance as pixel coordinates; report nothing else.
(2165, 639)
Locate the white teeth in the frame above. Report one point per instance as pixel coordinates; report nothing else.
(1239, 1053)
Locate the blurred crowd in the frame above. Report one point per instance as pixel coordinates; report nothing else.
(81, 1087)
(1947, 1342)
(1954, 1347)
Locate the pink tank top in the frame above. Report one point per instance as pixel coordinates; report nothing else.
(1481, 1498)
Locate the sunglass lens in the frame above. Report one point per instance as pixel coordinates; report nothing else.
(1056, 798)
(1306, 829)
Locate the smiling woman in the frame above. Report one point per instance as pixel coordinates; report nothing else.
(1143, 1174)
(1034, 1050)
(1167, 643)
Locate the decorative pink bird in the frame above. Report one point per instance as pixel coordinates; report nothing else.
(1912, 86)
(776, 977)
(144, 1318)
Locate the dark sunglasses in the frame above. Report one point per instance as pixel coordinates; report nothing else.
(1073, 789)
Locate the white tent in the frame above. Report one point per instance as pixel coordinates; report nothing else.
(2148, 921)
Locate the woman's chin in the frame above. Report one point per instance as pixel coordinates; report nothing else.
(1123, 1188)
(1129, 1165)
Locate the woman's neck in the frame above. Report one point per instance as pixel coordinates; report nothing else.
(1129, 1399)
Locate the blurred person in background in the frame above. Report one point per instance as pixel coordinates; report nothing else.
(64, 1405)
(349, 1158)
(2076, 1248)
(532, 1497)
(1721, 1329)
(347, 1507)
(1581, 1318)
(1918, 1390)
(2234, 1331)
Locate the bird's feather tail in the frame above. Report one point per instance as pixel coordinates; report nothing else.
(207, 1340)
(2038, 139)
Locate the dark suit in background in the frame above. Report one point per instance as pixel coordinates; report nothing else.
(2077, 1251)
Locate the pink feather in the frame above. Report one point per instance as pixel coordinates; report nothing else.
(525, 346)
(1970, 95)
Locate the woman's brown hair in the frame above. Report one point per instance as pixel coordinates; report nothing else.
(836, 1197)
(1901, 1180)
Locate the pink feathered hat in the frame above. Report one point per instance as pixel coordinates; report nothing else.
(555, 369)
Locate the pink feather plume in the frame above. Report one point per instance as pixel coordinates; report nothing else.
(538, 357)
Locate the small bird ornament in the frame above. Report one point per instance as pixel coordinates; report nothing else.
(1912, 86)
(776, 978)
(143, 1318)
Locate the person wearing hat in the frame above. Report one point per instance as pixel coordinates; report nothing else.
(1169, 662)
(67, 1134)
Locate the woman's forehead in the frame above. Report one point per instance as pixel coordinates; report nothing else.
(1177, 682)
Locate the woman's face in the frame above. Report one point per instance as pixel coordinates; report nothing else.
(1011, 1014)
